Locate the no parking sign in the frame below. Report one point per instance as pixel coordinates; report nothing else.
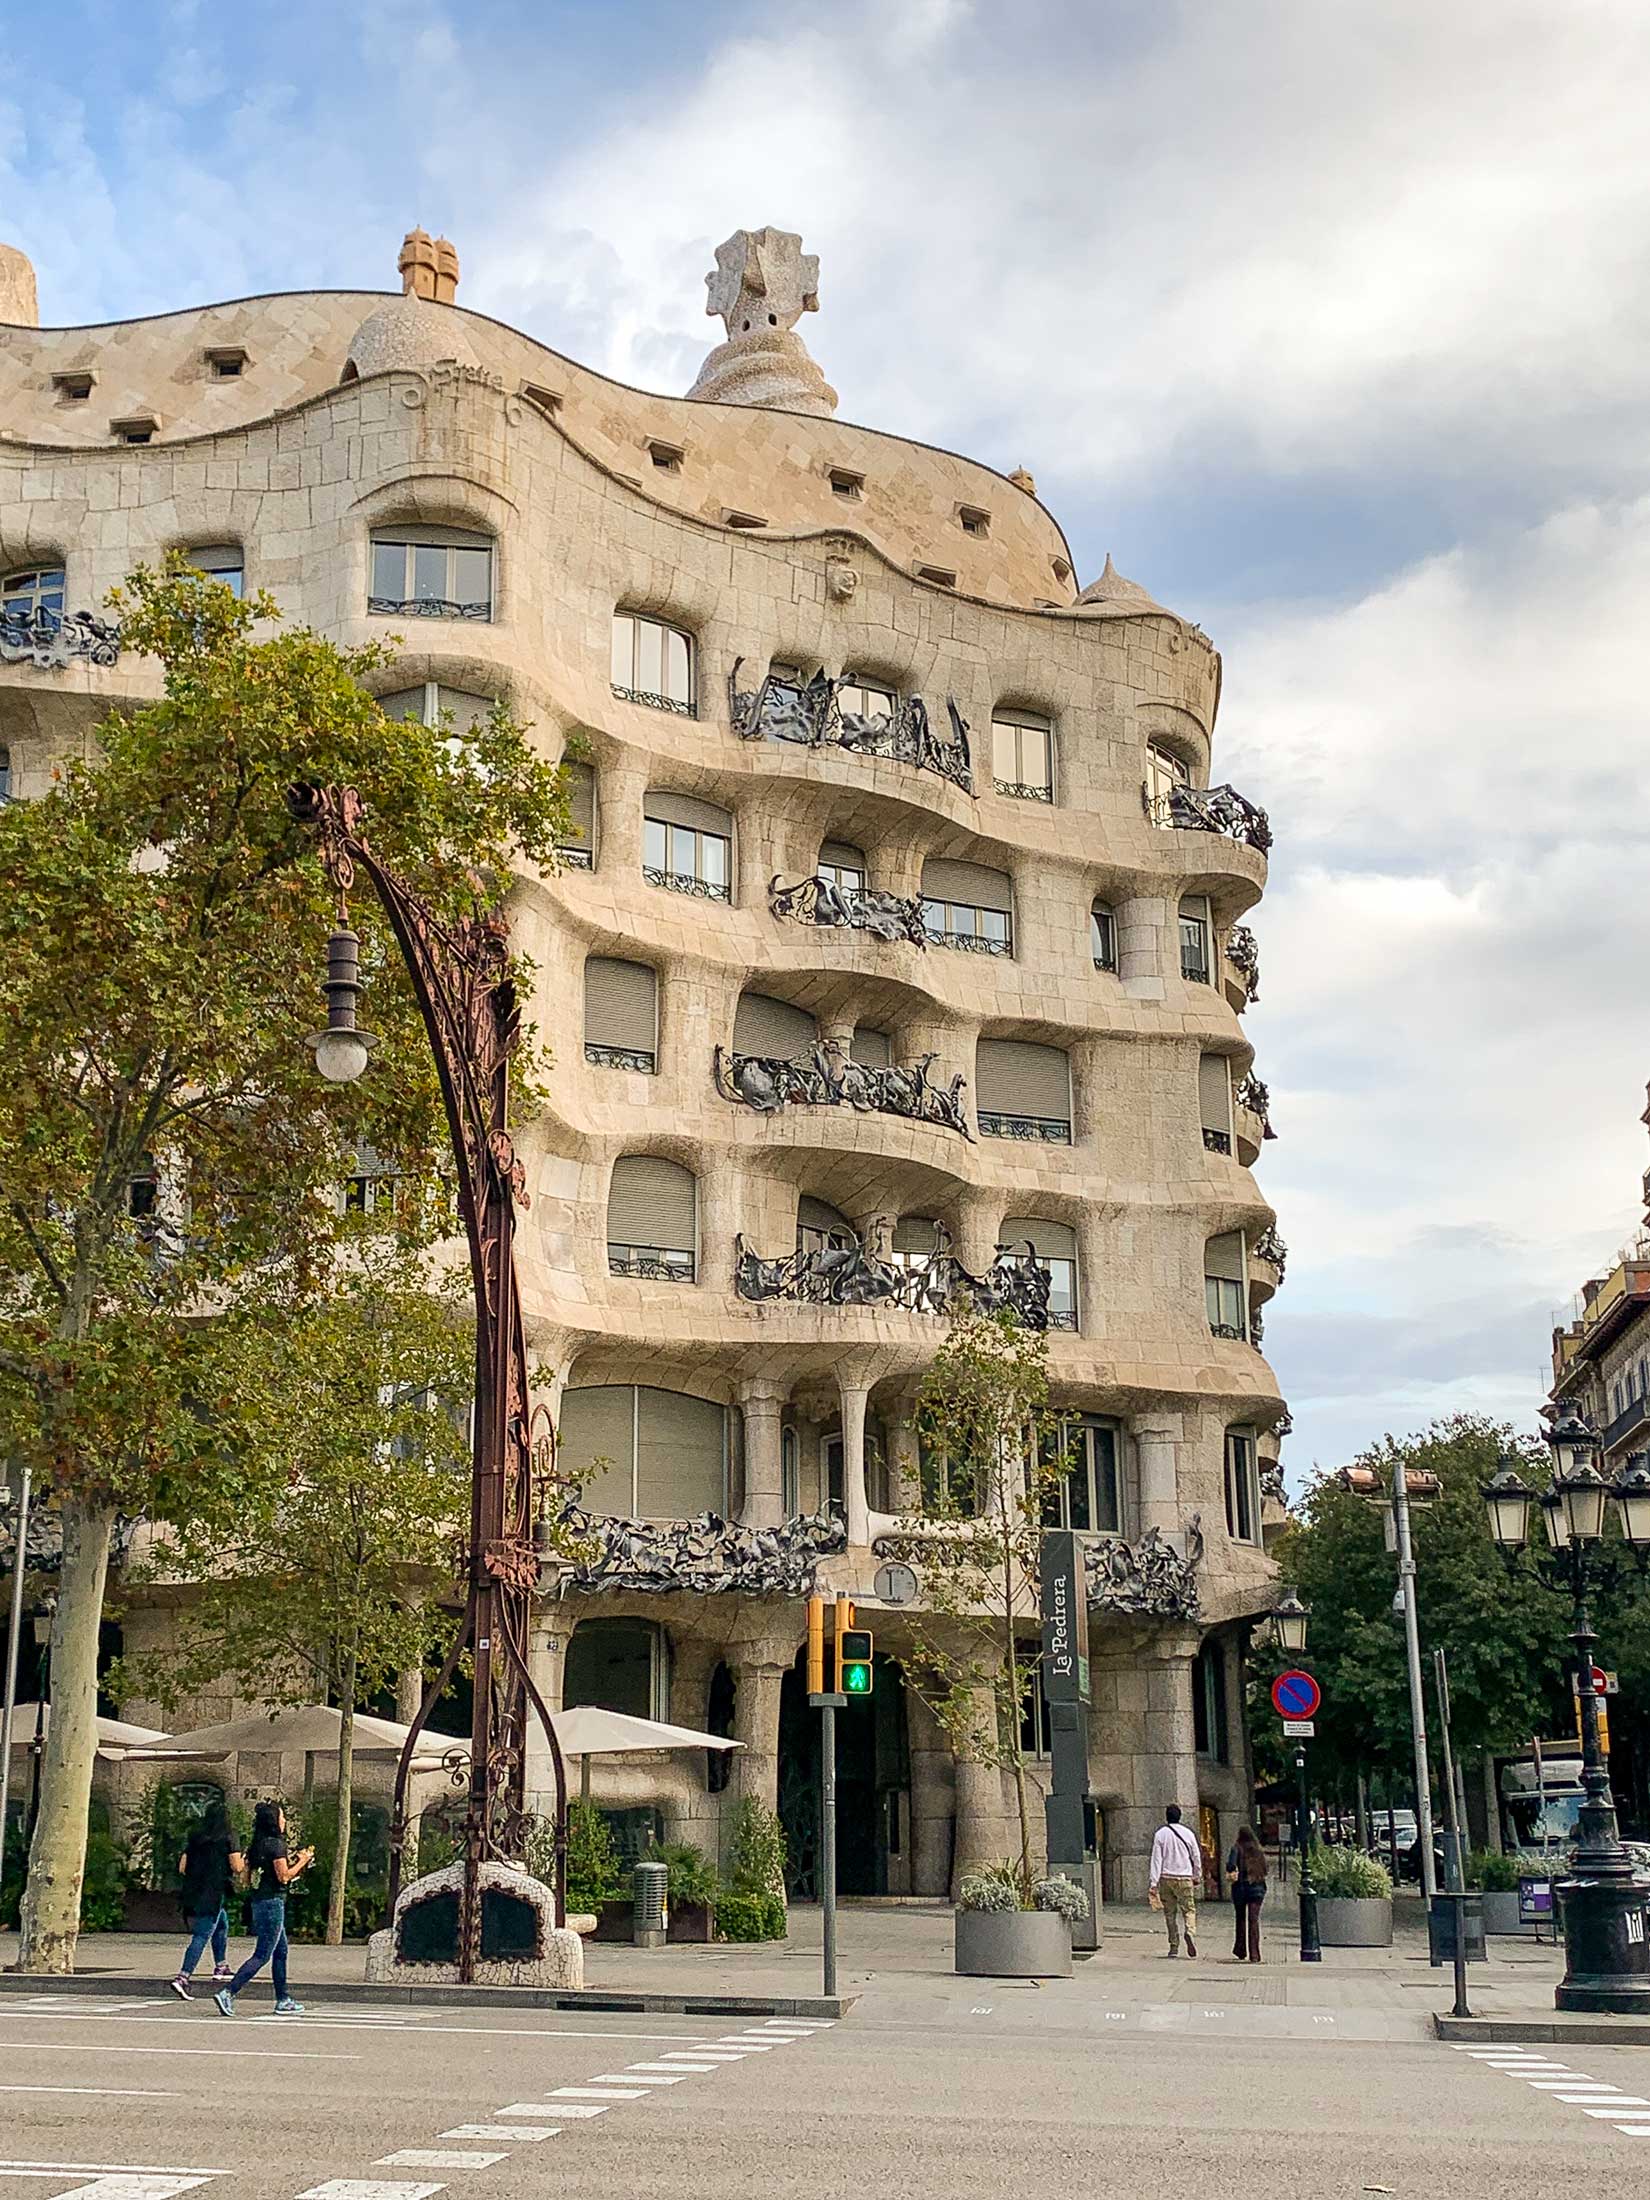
(1295, 1695)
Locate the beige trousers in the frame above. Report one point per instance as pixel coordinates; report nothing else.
(1179, 1900)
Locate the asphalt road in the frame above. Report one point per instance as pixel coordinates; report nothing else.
(140, 2098)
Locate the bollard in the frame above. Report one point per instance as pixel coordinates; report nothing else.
(650, 1915)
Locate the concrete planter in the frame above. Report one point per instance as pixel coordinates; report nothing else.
(1501, 1913)
(1345, 1921)
(1013, 1944)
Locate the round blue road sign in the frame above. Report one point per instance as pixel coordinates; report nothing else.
(1296, 1695)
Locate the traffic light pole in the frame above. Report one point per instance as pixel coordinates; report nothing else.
(827, 1840)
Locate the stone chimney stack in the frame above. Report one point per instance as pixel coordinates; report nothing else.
(429, 268)
(19, 302)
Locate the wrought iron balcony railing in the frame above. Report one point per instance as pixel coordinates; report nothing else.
(1272, 1490)
(49, 640)
(1232, 1331)
(577, 855)
(971, 943)
(684, 882)
(826, 1077)
(1210, 810)
(1271, 1248)
(656, 1263)
(855, 908)
(1243, 953)
(1217, 1141)
(650, 701)
(857, 1275)
(426, 607)
(812, 716)
(1047, 1130)
(1253, 1097)
(640, 1058)
(1025, 790)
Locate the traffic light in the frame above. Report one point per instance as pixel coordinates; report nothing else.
(854, 1661)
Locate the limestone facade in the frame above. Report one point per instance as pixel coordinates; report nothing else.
(920, 574)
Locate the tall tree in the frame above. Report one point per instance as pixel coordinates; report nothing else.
(165, 1147)
(317, 1582)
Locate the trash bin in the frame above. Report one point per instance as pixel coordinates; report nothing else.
(1441, 1912)
(649, 1912)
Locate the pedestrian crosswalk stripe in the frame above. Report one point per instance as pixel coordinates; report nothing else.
(438, 2158)
(599, 2093)
(501, 2131)
(560, 2109)
(368, 2188)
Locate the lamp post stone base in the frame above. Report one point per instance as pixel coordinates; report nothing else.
(1607, 1945)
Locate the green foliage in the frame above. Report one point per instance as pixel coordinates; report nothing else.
(1505, 1636)
(995, 1889)
(1491, 1872)
(755, 1852)
(1063, 1896)
(692, 1874)
(103, 1890)
(594, 1875)
(170, 1812)
(1348, 1875)
(747, 1915)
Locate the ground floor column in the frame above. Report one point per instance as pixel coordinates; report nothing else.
(758, 1676)
(855, 1501)
(986, 1829)
(762, 1404)
(933, 1798)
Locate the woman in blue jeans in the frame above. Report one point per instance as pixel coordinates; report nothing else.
(271, 1871)
(209, 1864)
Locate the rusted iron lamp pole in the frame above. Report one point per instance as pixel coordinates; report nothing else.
(468, 1000)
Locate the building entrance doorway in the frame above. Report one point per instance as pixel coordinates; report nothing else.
(873, 1787)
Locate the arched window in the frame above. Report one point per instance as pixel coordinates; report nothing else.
(1225, 1287)
(421, 572)
(1103, 936)
(687, 845)
(1214, 1101)
(652, 1219)
(653, 663)
(1022, 754)
(777, 1029)
(621, 1014)
(1055, 1245)
(965, 905)
(842, 866)
(645, 1454)
(1196, 961)
(33, 597)
(1022, 1090)
(221, 561)
(618, 1665)
(578, 850)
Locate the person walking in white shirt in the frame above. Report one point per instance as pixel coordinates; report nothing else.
(1177, 1867)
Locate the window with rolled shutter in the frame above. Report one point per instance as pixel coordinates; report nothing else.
(968, 906)
(819, 1225)
(652, 1219)
(596, 1446)
(687, 845)
(434, 705)
(421, 571)
(1022, 1091)
(870, 1048)
(842, 865)
(1055, 1245)
(762, 1025)
(1214, 1100)
(1223, 1285)
(578, 849)
(621, 1014)
(681, 1456)
(915, 1237)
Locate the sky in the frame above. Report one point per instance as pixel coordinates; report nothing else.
(1328, 319)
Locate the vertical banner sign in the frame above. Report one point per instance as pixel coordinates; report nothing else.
(1065, 1609)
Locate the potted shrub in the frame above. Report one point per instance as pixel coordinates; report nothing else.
(750, 1904)
(1007, 1929)
(691, 1895)
(1496, 1877)
(595, 1878)
(1354, 1898)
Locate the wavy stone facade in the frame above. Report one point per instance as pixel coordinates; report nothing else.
(771, 537)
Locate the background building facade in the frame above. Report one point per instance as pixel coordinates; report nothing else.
(901, 951)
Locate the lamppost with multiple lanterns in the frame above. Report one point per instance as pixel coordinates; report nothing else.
(1604, 1902)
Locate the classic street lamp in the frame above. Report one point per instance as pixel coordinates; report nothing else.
(1289, 1620)
(467, 998)
(1604, 1902)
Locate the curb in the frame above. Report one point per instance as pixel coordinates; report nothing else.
(108, 1985)
(1555, 2031)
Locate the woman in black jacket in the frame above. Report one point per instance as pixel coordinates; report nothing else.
(1246, 1870)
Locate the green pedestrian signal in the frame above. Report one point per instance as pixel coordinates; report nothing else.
(854, 1651)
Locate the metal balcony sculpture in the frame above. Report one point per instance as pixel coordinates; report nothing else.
(859, 1275)
(1150, 1577)
(706, 1556)
(813, 717)
(1243, 953)
(827, 1077)
(1211, 810)
(857, 908)
(49, 640)
(1253, 1096)
(1271, 1248)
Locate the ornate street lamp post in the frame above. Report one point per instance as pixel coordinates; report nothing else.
(1603, 1902)
(473, 1018)
(1289, 1621)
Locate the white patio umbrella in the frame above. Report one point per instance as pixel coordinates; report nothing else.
(313, 1730)
(116, 1738)
(586, 1731)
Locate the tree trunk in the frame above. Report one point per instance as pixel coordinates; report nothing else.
(346, 1788)
(57, 1854)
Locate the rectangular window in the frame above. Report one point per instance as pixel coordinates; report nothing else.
(1164, 773)
(846, 484)
(1226, 1309)
(1088, 1497)
(857, 698)
(1103, 937)
(1195, 965)
(1022, 756)
(1210, 1732)
(959, 924)
(1242, 1487)
(431, 573)
(686, 859)
(225, 562)
(72, 389)
(652, 663)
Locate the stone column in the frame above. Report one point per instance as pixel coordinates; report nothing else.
(853, 1395)
(1144, 929)
(1171, 1734)
(933, 1798)
(1155, 1442)
(762, 1402)
(902, 1492)
(758, 1675)
(979, 1218)
(984, 1834)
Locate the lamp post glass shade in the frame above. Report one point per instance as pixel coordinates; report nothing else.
(1632, 1495)
(341, 1056)
(1557, 1525)
(1581, 1497)
(1507, 1500)
(1289, 1618)
(1574, 1445)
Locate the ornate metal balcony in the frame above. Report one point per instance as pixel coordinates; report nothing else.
(1272, 1491)
(1063, 1318)
(1243, 953)
(426, 607)
(601, 1057)
(826, 1077)
(1210, 810)
(812, 717)
(683, 882)
(857, 908)
(858, 1275)
(1271, 1248)
(1047, 1130)
(49, 641)
(706, 1556)
(1253, 1096)
(650, 701)
(1148, 1578)
(971, 943)
(655, 1263)
(1230, 1331)
(576, 855)
(1024, 790)
(1217, 1141)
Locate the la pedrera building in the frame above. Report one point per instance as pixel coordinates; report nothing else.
(900, 955)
